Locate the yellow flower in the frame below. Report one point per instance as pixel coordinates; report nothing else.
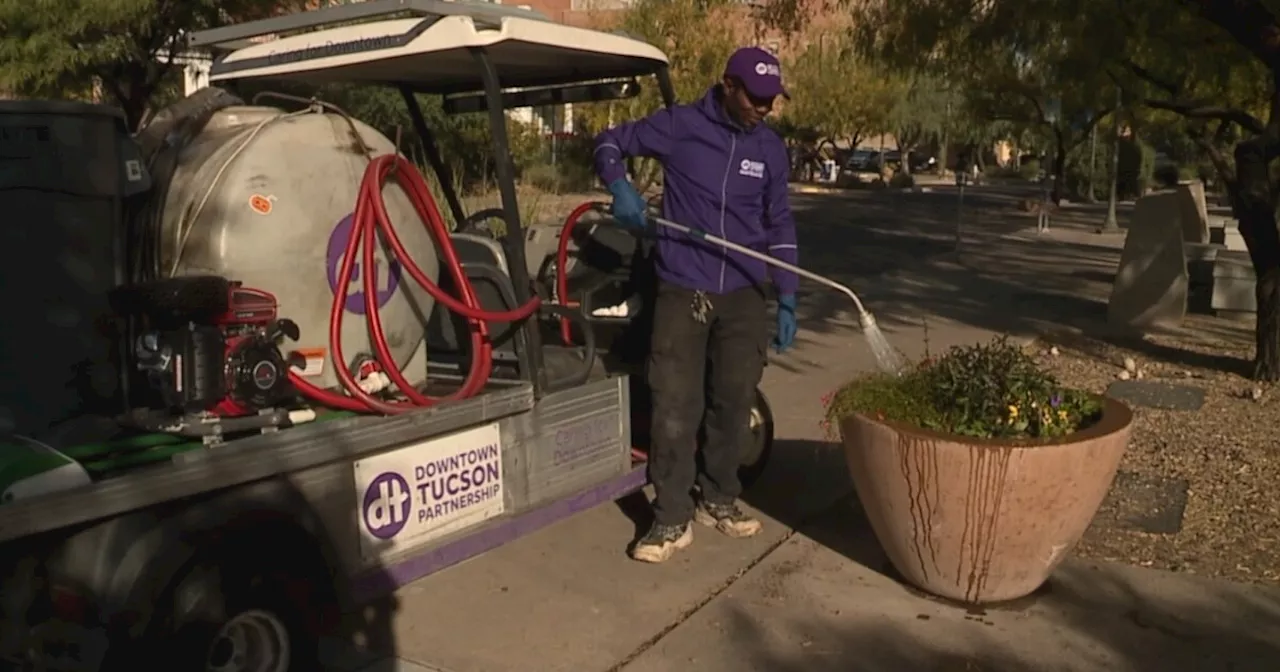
(1062, 415)
(1013, 411)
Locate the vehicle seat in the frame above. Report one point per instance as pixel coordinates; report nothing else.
(448, 335)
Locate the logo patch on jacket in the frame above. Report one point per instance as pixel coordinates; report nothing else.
(751, 168)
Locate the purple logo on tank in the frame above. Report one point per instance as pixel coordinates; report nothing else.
(387, 283)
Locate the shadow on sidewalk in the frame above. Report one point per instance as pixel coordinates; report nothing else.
(1086, 619)
(1015, 285)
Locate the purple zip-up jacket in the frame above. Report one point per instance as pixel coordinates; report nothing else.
(719, 178)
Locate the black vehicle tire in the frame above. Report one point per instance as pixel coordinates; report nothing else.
(756, 454)
(225, 613)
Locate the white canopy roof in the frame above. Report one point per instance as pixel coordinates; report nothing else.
(431, 51)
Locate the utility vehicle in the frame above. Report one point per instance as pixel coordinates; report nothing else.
(201, 509)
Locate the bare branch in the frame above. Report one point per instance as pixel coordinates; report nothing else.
(1193, 111)
(1170, 87)
(1044, 119)
(1223, 133)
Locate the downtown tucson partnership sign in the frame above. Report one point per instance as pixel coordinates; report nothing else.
(427, 490)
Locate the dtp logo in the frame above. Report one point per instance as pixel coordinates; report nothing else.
(751, 168)
(770, 69)
(386, 505)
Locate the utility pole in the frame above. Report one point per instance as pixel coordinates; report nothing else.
(1111, 225)
(1093, 154)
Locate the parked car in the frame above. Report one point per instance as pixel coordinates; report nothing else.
(872, 160)
(863, 160)
(922, 162)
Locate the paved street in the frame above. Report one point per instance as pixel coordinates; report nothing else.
(811, 592)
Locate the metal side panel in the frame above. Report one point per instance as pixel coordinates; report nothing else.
(582, 438)
(409, 567)
(330, 491)
(573, 442)
(411, 497)
(287, 452)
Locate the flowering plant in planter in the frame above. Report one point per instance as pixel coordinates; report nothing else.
(978, 470)
(990, 391)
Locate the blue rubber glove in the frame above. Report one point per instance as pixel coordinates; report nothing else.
(628, 207)
(786, 323)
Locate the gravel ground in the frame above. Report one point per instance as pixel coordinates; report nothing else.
(1225, 457)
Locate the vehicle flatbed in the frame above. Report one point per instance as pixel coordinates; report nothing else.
(297, 449)
(333, 512)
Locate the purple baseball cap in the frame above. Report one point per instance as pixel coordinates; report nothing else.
(759, 71)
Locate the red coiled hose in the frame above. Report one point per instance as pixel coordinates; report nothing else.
(562, 260)
(370, 218)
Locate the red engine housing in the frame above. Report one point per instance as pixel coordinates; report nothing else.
(247, 307)
(256, 374)
(213, 346)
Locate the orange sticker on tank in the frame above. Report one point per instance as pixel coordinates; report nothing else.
(260, 204)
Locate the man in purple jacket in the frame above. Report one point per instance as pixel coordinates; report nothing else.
(724, 173)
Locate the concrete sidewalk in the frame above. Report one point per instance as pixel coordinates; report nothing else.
(825, 601)
(567, 599)
(813, 592)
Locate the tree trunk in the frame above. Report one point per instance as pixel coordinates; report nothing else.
(941, 166)
(1256, 211)
(1059, 167)
(1266, 363)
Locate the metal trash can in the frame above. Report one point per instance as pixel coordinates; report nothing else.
(65, 169)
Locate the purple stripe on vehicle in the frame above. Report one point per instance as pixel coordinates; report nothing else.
(386, 579)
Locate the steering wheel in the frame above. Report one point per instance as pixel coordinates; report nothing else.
(477, 222)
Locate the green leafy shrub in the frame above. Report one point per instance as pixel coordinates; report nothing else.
(851, 180)
(902, 180)
(562, 178)
(542, 176)
(1137, 164)
(1166, 176)
(1030, 169)
(1005, 171)
(993, 390)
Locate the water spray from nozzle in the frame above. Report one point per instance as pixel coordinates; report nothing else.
(888, 359)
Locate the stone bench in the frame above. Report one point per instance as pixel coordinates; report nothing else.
(1200, 258)
(1151, 282)
(1226, 231)
(1193, 211)
(1234, 283)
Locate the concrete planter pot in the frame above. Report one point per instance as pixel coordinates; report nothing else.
(981, 520)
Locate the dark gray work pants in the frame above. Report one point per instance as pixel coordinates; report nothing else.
(696, 368)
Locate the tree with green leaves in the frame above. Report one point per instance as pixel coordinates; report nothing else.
(1012, 68)
(58, 48)
(1216, 63)
(925, 108)
(835, 93)
(697, 37)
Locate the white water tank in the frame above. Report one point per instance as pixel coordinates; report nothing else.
(266, 198)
